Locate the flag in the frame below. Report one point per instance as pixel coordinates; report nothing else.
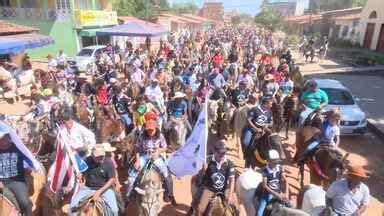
(190, 158)
(66, 165)
(29, 159)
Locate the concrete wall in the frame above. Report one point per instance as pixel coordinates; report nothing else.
(372, 5)
(355, 38)
(63, 33)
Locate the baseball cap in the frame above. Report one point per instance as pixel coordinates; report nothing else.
(220, 147)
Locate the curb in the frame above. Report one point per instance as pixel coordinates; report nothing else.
(375, 130)
(363, 71)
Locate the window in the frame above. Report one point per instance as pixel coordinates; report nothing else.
(29, 4)
(345, 31)
(5, 3)
(373, 15)
(63, 4)
(84, 5)
(339, 96)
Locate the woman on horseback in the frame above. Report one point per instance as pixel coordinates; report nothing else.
(332, 128)
(151, 145)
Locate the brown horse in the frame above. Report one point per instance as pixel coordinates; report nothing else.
(107, 127)
(290, 113)
(81, 110)
(212, 204)
(324, 163)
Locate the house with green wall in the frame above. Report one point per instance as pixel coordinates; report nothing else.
(72, 23)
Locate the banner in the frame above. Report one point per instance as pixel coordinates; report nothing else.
(190, 158)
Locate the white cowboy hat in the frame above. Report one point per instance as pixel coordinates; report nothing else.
(108, 147)
(273, 154)
(98, 152)
(179, 95)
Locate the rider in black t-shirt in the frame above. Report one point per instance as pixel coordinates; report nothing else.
(272, 185)
(99, 181)
(259, 121)
(219, 176)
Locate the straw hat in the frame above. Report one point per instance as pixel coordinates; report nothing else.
(357, 171)
(179, 95)
(108, 147)
(269, 77)
(98, 152)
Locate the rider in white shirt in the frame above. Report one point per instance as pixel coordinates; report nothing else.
(61, 57)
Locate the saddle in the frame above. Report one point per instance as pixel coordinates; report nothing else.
(7, 194)
(101, 206)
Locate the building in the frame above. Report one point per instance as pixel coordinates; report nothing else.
(213, 11)
(372, 26)
(71, 23)
(288, 7)
(334, 20)
(346, 28)
(304, 24)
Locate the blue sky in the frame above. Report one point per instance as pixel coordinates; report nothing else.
(245, 6)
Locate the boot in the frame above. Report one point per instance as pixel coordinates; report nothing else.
(168, 187)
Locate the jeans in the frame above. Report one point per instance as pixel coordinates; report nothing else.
(247, 137)
(108, 196)
(264, 199)
(126, 118)
(20, 190)
(304, 114)
(160, 163)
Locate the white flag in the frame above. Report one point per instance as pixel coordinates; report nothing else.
(189, 159)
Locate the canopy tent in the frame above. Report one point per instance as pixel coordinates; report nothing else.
(134, 28)
(20, 42)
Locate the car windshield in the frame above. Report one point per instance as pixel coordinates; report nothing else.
(339, 97)
(85, 52)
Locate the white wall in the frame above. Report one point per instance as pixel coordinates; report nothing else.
(372, 5)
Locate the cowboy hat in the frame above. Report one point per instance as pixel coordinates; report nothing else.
(358, 171)
(179, 95)
(98, 151)
(108, 147)
(220, 147)
(269, 77)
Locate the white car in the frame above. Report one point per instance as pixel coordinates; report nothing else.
(353, 119)
(86, 57)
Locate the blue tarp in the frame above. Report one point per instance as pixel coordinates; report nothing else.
(20, 42)
(134, 28)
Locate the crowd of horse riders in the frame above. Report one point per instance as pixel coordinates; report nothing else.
(121, 119)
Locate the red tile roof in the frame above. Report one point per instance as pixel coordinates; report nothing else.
(348, 17)
(7, 28)
(303, 18)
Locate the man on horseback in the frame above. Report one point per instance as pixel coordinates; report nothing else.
(99, 181)
(271, 187)
(151, 145)
(80, 137)
(313, 98)
(13, 155)
(218, 177)
(241, 94)
(259, 122)
(122, 105)
(349, 196)
(178, 110)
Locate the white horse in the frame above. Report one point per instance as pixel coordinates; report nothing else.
(247, 183)
(9, 84)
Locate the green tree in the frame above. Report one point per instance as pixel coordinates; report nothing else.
(140, 8)
(269, 16)
(187, 7)
(235, 20)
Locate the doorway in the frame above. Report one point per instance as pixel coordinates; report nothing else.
(380, 42)
(368, 35)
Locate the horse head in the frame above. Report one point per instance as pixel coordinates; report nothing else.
(150, 192)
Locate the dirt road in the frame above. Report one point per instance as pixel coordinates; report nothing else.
(365, 150)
